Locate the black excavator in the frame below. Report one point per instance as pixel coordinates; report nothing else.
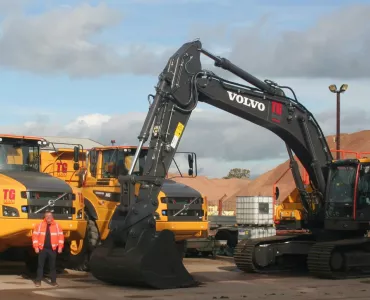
(336, 212)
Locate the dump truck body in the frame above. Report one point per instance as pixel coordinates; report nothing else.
(26, 192)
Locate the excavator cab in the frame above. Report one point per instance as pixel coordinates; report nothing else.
(348, 195)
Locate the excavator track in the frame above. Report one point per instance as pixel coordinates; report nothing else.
(343, 259)
(244, 255)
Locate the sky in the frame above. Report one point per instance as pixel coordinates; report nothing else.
(85, 68)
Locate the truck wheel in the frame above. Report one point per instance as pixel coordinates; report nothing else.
(230, 236)
(80, 260)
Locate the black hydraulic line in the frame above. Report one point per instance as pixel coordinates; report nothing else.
(321, 182)
(229, 66)
(149, 120)
(298, 180)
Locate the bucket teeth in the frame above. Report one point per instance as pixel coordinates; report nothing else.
(153, 262)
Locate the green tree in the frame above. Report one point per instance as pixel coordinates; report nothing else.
(238, 173)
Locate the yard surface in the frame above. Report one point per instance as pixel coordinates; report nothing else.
(220, 280)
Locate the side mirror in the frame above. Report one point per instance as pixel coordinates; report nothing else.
(191, 164)
(277, 193)
(190, 161)
(76, 158)
(76, 154)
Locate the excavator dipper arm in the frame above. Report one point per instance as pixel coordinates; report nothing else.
(134, 253)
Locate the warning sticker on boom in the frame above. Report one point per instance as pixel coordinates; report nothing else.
(177, 135)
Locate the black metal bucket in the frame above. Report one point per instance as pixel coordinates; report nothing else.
(154, 262)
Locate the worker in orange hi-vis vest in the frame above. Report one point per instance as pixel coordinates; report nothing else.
(47, 240)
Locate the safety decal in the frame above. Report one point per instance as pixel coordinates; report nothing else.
(177, 135)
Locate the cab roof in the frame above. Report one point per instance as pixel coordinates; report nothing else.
(21, 137)
(103, 148)
(116, 148)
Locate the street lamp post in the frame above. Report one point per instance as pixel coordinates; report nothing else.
(333, 89)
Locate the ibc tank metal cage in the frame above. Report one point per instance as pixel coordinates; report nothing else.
(254, 211)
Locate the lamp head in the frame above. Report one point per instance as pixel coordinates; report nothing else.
(343, 88)
(333, 88)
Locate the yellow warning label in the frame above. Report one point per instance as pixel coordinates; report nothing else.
(177, 135)
(179, 129)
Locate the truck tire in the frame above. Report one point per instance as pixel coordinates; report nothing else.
(230, 236)
(80, 261)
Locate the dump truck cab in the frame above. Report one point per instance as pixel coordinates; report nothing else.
(26, 193)
(105, 164)
(181, 209)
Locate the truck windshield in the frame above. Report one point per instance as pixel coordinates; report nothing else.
(342, 184)
(118, 162)
(19, 156)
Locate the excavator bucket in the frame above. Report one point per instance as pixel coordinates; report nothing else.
(154, 262)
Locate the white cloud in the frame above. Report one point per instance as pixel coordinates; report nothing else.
(12, 6)
(60, 41)
(156, 2)
(88, 121)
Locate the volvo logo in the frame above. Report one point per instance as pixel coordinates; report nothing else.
(246, 101)
(51, 202)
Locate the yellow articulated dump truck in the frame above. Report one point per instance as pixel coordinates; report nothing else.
(181, 209)
(25, 193)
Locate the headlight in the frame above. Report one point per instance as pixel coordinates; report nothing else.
(9, 211)
(79, 214)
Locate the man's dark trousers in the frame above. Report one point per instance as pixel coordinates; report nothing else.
(51, 255)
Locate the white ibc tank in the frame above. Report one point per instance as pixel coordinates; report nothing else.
(255, 210)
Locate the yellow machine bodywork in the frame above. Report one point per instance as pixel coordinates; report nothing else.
(101, 194)
(288, 214)
(24, 190)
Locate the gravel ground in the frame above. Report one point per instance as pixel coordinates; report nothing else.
(220, 280)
